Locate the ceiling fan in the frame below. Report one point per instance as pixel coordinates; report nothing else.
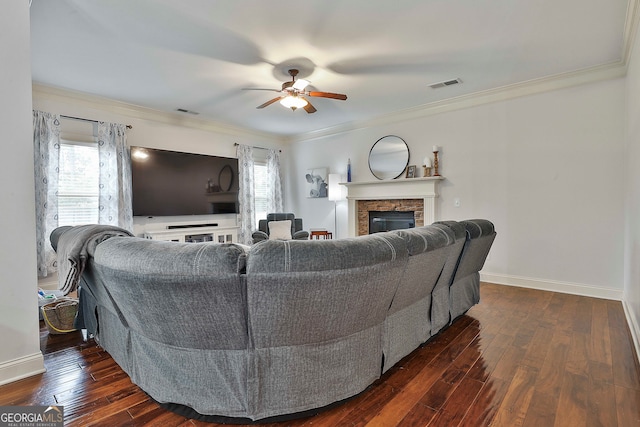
(293, 93)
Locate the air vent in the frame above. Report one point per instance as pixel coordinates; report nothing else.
(182, 110)
(445, 83)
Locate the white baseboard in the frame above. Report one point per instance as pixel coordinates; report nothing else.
(633, 327)
(17, 369)
(554, 286)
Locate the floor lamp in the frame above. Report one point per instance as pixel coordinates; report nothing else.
(336, 193)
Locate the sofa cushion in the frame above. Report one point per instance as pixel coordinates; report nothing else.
(280, 230)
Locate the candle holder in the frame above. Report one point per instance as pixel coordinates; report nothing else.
(426, 170)
(435, 164)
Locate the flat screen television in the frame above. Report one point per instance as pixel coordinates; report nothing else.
(171, 183)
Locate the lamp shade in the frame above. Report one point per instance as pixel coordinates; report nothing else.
(336, 191)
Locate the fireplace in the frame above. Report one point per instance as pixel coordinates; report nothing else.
(415, 195)
(380, 221)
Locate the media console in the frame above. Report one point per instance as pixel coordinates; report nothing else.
(195, 234)
(221, 228)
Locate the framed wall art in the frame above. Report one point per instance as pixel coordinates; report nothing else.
(316, 183)
(411, 171)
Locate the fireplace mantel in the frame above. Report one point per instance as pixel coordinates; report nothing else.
(425, 188)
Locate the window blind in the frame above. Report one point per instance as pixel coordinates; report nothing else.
(260, 191)
(78, 183)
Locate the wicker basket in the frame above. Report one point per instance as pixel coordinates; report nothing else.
(60, 314)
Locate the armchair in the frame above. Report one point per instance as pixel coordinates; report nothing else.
(274, 225)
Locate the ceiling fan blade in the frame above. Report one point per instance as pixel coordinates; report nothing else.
(309, 108)
(300, 84)
(271, 101)
(259, 88)
(328, 95)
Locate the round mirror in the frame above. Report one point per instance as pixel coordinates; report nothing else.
(388, 157)
(225, 178)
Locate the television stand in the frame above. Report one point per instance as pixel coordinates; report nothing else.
(195, 234)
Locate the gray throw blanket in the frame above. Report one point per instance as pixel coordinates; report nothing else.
(75, 246)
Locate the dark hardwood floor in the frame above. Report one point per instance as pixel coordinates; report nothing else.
(521, 357)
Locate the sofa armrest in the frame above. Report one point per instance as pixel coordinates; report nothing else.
(301, 235)
(259, 236)
(55, 235)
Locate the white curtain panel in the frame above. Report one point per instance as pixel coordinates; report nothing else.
(246, 199)
(114, 200)
(274, 182)
(46, 144)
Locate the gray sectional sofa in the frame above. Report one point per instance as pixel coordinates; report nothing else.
(281, 327)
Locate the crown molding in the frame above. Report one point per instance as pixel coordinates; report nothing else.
(545, 84)
(630, 29)
(91, 102)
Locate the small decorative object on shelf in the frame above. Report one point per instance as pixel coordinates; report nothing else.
(211, 187)
(435, 160)
(349, 170)
(426, 167)
(411, 171)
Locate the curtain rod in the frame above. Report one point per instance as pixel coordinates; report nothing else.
(86, 120)
(255, 146)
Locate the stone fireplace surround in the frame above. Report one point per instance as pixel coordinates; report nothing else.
(408, 194)
(390, 205)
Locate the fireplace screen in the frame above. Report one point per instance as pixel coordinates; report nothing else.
(390, 220)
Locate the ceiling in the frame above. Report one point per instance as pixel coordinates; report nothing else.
(199, 55)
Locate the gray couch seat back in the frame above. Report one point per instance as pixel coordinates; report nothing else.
(283, 326)
(440, 309)
(481, 234)
(183, 294)
(408, 323)
(465, 287)
(461, 237)
(316, 313)
(312, 291)
(428, 249)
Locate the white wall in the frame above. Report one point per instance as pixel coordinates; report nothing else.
(20, 352)
(632, 207)
(545, 168)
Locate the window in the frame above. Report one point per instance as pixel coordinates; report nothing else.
(260, 191)
(78, 183)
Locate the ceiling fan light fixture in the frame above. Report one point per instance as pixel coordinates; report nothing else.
(293, 102)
